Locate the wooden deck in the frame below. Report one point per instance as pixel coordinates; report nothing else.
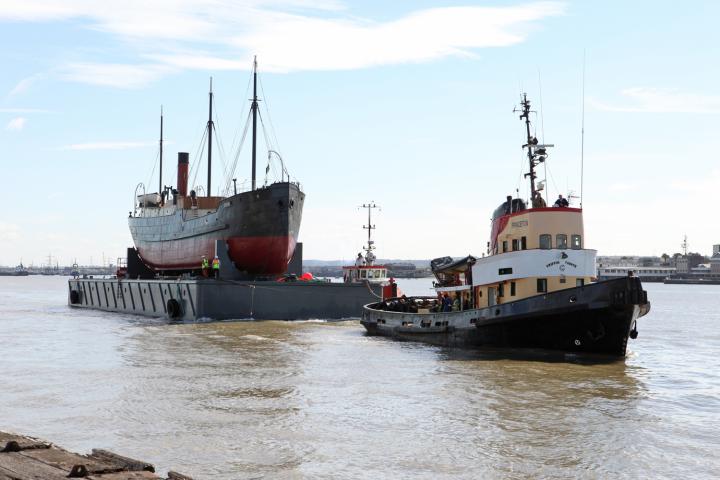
(27, 458)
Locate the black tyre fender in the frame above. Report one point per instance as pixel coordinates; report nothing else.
(174, 310)
(74, 297)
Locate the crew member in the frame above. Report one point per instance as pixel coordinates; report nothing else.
(538, 201)
(359, 261)
(561, 202)
(205, 266)
(216, 267)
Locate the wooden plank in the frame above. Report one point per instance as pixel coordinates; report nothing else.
(127, 463)
(20, 467)
(64, 460)
(11, 442)
(123, 476)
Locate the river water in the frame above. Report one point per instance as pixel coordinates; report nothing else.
(294, 400)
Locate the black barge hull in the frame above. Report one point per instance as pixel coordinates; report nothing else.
(594, 319)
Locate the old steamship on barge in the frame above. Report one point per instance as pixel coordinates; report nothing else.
(535, 289)
(259, 227)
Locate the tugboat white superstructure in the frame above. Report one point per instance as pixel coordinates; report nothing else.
(365, 269)
(535, 289)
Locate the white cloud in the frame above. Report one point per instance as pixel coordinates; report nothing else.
(9, 232)
(24, 84)
(661, 100)
(107, 145)
(24, 110)
(288, 35)
(16, 124)
(113, 74)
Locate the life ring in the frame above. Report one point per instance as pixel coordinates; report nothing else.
(173, 308)
(74, 297)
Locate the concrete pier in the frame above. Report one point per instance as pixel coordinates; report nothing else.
(195, 299)
(28, 458)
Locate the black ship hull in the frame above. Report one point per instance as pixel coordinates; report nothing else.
(593, 319)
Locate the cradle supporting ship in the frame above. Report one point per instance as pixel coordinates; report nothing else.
(174, 228)
(534, 290)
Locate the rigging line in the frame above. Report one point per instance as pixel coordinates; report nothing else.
(582, 134)
(218, 140)
(198, 153)
(239, 151)
(196, 141)
(157, 157)
(267, 109)
(542, 127)
(242, 110)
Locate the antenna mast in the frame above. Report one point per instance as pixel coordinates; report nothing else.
(254, 114)
(369, 256)
(210, 126)
(536, 153)
(160, 182)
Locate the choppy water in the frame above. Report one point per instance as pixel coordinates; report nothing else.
(322, 400)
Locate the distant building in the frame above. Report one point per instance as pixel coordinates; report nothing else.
(715, 262)
(716, 250)
(646, 274)
(682, 264)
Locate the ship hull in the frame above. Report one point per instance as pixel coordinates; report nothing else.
(594, 319)
(260, 229)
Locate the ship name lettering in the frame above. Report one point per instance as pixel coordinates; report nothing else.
(571, 264)
(552, 263)
(521, 223)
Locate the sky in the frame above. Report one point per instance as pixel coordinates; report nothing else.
(405, 103)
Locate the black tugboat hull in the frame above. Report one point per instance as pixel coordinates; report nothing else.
(594, 319)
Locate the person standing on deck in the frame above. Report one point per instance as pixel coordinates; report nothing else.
(216, 267)
(204, 266)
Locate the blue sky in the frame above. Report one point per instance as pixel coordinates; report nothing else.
(405, 103)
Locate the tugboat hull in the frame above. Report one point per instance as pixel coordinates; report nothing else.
(594, 319)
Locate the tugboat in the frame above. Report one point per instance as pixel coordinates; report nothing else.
(536, 289)
(259, 227)
(365, 269)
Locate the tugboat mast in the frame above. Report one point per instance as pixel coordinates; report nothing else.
(254, 115)
(536, 153)
(210, 126)
(369, 256)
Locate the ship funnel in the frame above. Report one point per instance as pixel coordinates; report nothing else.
(182, 172)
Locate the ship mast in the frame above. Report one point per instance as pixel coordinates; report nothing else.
(369, 256)
(160, 182)
(254, 115)
(536, 153)
(210, 126)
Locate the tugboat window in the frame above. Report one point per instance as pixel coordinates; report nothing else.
(546, 241)
(512, 289)
(515, 245)
(542, 285)
(363, 274)
(501, 290)
(579, 282)
(504, 271)
(575, 242)
(561, 241)
(505, 246)
(523, 243)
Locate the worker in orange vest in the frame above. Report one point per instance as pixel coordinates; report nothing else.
(216, 267)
